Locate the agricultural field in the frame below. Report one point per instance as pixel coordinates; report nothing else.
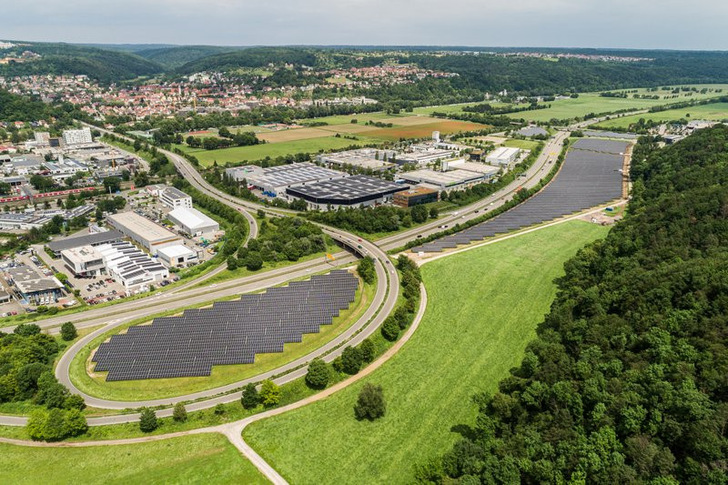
(343, 119)
(137, 390)
(190, 459)
(424, 130)
(593, 103)
(713, 111)
(503, 291)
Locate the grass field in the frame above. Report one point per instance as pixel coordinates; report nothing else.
(502, 291)
(593, 103)
(190, 459)
(137, 390)
(257, 152)
(712, 111)
(452, 108)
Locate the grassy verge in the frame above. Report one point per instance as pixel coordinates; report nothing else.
(139, 390)
(190, 459)
(502, 291)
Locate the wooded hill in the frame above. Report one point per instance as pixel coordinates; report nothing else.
(627, 380)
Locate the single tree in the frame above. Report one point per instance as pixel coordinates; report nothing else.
(368, 350)
(370, 404)
(351, 360)
(148, 420)
(390, 329)
(250, 398)
(68, 331)
(318, 374)
(270, 393)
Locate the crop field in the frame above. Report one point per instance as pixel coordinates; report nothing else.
(137, 390)
(293, 134)
(343, 119)
(423, 130)
(190, 459)
(712, 111)
(594, 103)
(503, 291)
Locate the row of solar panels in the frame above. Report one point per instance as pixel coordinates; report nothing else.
(590, 176)
(230, 332)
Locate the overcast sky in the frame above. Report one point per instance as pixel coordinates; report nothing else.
(667, 24)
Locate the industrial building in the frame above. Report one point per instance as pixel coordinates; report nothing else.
(192, 221)
(83, 261)
(503, 156)
(145, 232)
(93, 239)
(355, 191)
(175, 256)
(77, 137)
(365, 158)
(275, 180)
(174, 198)
(488, 171)
(130, 266)
(33, 287)
(423, 155)
(415, 196)
(444, 181)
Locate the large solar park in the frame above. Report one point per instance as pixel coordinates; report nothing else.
(590, 176)
(230, 332)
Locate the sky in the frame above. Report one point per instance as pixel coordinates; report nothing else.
(648, 24)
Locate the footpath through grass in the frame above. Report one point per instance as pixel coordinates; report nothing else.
(191, 459)
(483, 309)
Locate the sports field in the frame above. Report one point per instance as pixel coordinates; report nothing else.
(594, 103)
(712, 111)
(190, 459)
(502, 291)
(138, 390)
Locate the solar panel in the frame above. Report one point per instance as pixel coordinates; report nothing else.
(590, 176)
(231, 332)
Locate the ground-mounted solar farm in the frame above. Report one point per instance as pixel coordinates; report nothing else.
(228, 333)
(590, 176)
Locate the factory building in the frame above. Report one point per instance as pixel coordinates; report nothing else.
(176, 256)
(415, 196)
(444, 181)
(131, 267)
(77, 137)
(355, 191)
(146, 233)
(192, 221)
(503, 156)
(94, 239)
(274, 181)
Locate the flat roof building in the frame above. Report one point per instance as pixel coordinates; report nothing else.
(130, 266)
(365, 158)
(174, 198)
(355, 191)
(83, 261)
(93, 239)
(145, 232)
(77, 137)
(414, 196)
(450, 180)
(488, 171)
(503, 156)
(33, 287)
(192, 221)
(175, 256)
(275, 180)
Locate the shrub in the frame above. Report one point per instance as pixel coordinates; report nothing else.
(219, 409)
(180, 413)
(27, 329)
(148, 420)
(250, 397)
(56, 424)
(370, 404)
(390, 329)
(74, 401)
(270, 393)
(253, 261)
(68, 331)
(318, 374)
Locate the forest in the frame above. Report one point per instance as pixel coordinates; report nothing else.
(627, 379)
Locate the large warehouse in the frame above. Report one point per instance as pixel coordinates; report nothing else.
(192, 221)
(275, 180)
(450, 180)
(356, 191)
(503, 156)
(145, 232)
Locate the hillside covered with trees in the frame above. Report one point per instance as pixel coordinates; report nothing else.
(627, 380)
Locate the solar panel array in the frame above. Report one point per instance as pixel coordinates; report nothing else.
(589, 177)
(231, 332)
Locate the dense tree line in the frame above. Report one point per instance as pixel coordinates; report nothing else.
(371, 220)
(627, 380)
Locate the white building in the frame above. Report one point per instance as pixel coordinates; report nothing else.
(192, 221)
(174, 256)
(130, 266)
(174, 198)
(77, 137)
(83, 261)
(145, 232)
(503, 156)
